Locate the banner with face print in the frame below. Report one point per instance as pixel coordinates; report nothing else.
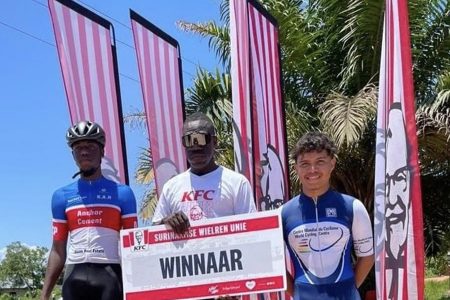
(258, 108)
(399, 248)
(87, 55)
(159, 63)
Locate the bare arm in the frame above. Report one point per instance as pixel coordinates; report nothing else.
(178, 221)
(55, 265)
(362, 268)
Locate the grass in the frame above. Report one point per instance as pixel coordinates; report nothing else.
(437, 290)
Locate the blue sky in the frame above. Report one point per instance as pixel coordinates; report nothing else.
(34, 157)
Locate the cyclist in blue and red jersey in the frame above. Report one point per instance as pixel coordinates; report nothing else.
(87, 217)
(322, 227)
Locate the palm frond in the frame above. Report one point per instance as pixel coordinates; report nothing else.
(347, 118)
(144, 173)
(148, 206)
(219, 38)
(136, 120)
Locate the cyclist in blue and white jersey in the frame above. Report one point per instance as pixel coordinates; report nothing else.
(87, 217)
(322, 227)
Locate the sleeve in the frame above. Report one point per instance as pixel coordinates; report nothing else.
(244, 201)
(59, 219)
(128, 208)
(361, 230)
(162, 209)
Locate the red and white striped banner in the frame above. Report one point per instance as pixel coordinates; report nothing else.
(399, 248)
(159, 63)
(240, 72)
(269, 133)
(258, 110)
(88, 62)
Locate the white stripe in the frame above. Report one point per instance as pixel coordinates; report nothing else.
(81, 206)
(59, 221)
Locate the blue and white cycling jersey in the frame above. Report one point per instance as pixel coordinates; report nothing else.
(320, 235)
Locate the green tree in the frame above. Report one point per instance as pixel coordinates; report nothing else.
(23, 267)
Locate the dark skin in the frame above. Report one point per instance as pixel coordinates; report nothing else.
(201, 161)
(88, 156)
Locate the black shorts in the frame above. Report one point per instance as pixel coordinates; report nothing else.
(89, 281)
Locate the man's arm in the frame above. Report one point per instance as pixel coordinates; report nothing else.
(56, 261)
(362, 268)
(178, 221)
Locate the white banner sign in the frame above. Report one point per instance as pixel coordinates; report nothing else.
(240, 254)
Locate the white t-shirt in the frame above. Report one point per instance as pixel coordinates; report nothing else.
(219, 193)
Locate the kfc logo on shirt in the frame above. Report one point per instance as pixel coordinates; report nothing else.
(197, 195)
(196, 213)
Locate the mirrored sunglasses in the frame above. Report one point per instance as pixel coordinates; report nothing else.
(196, 139)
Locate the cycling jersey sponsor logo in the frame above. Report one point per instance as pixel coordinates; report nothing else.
(331, 212)
(104, 197)
(77, 198)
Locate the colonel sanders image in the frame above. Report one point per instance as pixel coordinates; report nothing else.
(272, 180)
(397, 203)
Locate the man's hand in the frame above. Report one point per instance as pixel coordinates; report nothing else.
(178, 221)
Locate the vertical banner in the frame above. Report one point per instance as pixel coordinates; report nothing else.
(399, 248)
(159, 63)
(258, 110)
(87, 55)
(269, 128)
(240, 88)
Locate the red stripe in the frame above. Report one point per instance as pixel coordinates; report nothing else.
(60, 231)
(211, 289)
(80, 217)
(130, 222)
(195, 232)
(416, 199)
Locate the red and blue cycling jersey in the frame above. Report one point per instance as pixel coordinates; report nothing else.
(90, 214)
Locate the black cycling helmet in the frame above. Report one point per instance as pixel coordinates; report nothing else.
(85, 130)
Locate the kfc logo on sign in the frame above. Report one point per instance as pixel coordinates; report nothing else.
(198, 195)
(139, 238)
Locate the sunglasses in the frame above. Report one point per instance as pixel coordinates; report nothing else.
(196, 139)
